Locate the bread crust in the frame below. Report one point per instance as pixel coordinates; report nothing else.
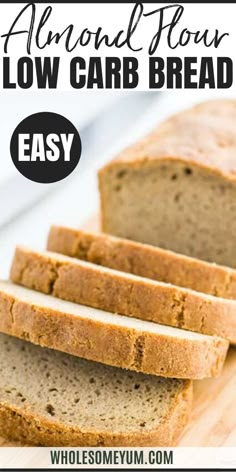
(116, 345)
(144, 260)
(23, 425)
(210, 123)
(117, 292)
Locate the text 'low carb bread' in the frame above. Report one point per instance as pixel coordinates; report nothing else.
(127, 294)
(144, 260)
(176, 188)
(107, 337)
(52, 399)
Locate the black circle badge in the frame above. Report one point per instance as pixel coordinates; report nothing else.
(45, 147)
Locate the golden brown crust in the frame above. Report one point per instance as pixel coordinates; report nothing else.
(130, 295)
(130, 348)
(144, 260)
(210, 141)
(22, 425)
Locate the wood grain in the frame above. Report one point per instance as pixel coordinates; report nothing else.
(213, 418)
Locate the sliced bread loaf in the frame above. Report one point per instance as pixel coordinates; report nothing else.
(176, 188)
(144, 260)
(127, 294)
(52, 399)
(108, 338)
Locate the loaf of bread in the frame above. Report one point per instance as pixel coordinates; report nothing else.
(119, 292)
(52, 399)
(176, 188)
(144, 260)
(107, 337)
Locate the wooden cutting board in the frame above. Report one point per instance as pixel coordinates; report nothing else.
(213, 418)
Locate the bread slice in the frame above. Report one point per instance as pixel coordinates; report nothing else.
(127, 294)
(108, 338)
(176, 188)
(52, 399)
(144, 260)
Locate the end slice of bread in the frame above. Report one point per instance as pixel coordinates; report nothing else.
(107, 337)
(52, 399)
(127, 294)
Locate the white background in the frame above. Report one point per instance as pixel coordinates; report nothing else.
(113, 18)
(185, 458)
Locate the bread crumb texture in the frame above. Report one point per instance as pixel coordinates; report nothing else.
(53, 399)
(176, 188)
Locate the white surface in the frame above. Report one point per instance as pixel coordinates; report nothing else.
(77, 200)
